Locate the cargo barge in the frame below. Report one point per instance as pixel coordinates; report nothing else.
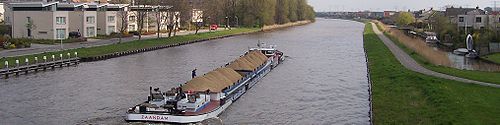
(207, 96)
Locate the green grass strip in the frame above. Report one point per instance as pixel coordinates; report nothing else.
(401, 96)
(493, 57)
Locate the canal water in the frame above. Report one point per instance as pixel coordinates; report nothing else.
(323, 81)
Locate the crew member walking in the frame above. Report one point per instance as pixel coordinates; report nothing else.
(193, 73)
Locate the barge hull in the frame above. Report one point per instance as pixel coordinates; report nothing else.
(235, 94)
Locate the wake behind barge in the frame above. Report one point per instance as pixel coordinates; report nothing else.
(207, 96)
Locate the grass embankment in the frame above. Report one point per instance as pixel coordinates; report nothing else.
(128, 46)
(490, 77)
(493, 58)
(401, 96)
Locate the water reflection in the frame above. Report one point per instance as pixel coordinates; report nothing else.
(440, 57)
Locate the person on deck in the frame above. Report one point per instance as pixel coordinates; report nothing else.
(193, 73)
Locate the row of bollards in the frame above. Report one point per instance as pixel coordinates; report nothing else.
(36, 65)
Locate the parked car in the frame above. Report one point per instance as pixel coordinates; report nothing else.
(75, 35)
(214, 27)
(133, 32)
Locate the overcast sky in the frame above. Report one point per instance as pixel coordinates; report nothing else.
(380, 5)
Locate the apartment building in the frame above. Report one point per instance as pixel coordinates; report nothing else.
(109, 18)
(55, 20)
(476, 19)
(152, 15)
(37, 20)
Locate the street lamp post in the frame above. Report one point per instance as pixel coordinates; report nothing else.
(209, 25)
(237, 22)
(62, 44)
(227, 23)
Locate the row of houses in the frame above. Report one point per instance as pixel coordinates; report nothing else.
(56, 20)
(473, 18)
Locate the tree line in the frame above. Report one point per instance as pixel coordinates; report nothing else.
(250, 13)
(257, 12)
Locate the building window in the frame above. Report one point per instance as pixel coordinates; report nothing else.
(131, 28)
(111, 29)
(90, 31)
(60, 20)
(111, 19)
(60, 33)
(131, 18)
(29, 25)
(90, 20)
(460, 19)
(478, 20)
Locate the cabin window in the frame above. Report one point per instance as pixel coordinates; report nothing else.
(269, 52)
(478, 20)
(191, 98)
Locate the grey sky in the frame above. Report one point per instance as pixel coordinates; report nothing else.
(380, 5)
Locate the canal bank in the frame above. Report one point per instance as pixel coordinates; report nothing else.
(97, 53)
(401, 96)
(433, 60)
(494, 58)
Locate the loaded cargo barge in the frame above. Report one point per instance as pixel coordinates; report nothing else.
(207, 96)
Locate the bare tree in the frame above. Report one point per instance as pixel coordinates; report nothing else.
(141, 12)
(123, 16)
(181, 10)
(141, 18)
(198, 21)
(161, 14)
(170, 19)
(176, 22)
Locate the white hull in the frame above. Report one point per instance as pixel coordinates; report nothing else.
(177, 118)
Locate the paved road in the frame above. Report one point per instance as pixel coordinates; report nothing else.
(40, 48)
(411, 64)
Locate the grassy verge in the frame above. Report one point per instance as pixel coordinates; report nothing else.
(490, 77)
(127, 46)
(493, 57)
(401, 96)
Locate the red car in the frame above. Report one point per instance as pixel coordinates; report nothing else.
(214, 27)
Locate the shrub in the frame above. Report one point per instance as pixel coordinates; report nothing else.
(3, 40)
(12, 46)
(74, 40)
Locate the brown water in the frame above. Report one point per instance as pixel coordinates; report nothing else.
(324, 81)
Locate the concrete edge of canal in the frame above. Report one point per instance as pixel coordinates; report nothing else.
(369, 84)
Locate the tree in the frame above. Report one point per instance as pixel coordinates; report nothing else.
(404, 19)
(292, 11)
(123, 17)
(181, 11)
(161, 17)
(282, 12)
